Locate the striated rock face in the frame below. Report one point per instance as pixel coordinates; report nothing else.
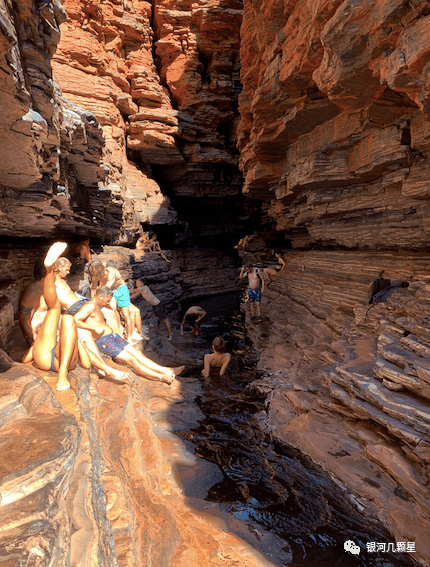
(334, 120)
(51, 149)
(169, 121)
(334, 139)
(95, 476)
(348, 381)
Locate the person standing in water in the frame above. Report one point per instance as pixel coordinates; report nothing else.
(255, 289)
(193, 317)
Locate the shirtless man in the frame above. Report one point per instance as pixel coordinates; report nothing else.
(193, 317)
(255, 289)
(91, 318)
(30, 301)
(218, 359)
(110, 276)
(81, 250)
(53, 350)
(147, 244)
(158, 306)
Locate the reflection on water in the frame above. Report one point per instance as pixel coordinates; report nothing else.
(269, 484)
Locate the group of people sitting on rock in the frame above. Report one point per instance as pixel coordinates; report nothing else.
(150, 244)
(65, 328)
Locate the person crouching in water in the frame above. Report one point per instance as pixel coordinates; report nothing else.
(217, 359)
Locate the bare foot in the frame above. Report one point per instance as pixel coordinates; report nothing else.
(62, 386)
(120, 376)
(54, 253)
(178, 370)
(168, 378)
(169, 338)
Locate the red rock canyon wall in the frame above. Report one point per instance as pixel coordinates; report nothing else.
(333, 139)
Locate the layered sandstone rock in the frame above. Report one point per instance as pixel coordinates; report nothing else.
(333, 137)
(334, 120)
(348, 381)
(95, 475)
(169, 121)
(51, 149)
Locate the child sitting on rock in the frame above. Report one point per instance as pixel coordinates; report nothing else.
(217, 359)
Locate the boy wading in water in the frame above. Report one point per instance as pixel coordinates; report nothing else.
(90, 317)
(193, 317)
(52, 350)
(218, 359)
(255, 289)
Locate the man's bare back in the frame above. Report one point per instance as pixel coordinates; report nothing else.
(148, 295)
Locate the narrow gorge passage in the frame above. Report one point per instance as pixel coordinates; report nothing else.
(268, 484)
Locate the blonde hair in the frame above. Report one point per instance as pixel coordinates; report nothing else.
(62, 261)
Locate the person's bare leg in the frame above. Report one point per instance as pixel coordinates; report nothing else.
(252, 307)
(84, 358)
(258, 306)
(98, 362)
(128, 324)
(136, 319)
(150, 364)
(67, 351)
(46, 338)
(168, 327)
(128, 358)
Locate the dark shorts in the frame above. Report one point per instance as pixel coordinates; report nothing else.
(254, 295)
(75, 307)
(112, 344)
(24, 310)
(160, 310)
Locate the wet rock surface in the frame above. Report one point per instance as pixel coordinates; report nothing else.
(271, 485)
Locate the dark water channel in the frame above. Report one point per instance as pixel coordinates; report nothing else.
(269, 484)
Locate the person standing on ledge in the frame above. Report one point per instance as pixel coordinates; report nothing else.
(255, 289)
(217, 359)
(193, 317)
(80, 254)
